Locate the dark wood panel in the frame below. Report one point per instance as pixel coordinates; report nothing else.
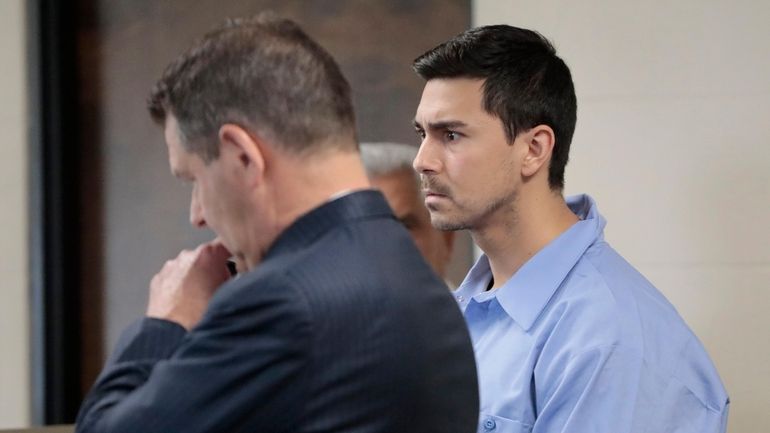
(55, 163)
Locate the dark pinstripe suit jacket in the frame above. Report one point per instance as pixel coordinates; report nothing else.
(342, 328)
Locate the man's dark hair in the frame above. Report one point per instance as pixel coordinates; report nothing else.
(265, 74)
(525, 83)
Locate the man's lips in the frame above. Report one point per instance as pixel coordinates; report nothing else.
(429, 193)
(432, 198)
(433, 190)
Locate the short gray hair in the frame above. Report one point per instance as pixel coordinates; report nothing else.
(385, 158)
(263, 73)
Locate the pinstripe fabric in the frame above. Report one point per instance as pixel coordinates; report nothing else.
(342, 328)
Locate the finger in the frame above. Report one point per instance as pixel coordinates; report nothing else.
(186, 255)
(217, 242)
(217, 251)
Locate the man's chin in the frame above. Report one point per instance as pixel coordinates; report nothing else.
(441, 222)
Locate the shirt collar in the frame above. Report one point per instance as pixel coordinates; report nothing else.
(526, 294)
(339, 210)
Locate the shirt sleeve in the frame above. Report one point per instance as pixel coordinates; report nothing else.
(609, 390)
(242, 367)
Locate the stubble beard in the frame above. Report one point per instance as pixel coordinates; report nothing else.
(475, 220)
(431, 184)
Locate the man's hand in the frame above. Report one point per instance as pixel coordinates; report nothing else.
(181, 291)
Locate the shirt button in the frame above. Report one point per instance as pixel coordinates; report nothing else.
(489, 424)
(460, 298)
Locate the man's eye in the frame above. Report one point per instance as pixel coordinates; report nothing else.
(420, 133)
(451, 136)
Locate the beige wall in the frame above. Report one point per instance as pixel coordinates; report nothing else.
(14, 330)
(673, 141)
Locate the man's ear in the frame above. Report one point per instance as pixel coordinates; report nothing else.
(245, 151)
(539, 141)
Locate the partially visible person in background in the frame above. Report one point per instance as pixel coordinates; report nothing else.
(389, 167)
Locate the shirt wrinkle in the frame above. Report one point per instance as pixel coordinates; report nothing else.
(574, 297)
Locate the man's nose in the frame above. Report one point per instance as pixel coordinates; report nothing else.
(196, 211)
(426, 160)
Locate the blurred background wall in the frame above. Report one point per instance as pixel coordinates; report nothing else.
(673, 141)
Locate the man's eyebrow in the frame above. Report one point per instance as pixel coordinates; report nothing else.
(443, 124)
(180, 174)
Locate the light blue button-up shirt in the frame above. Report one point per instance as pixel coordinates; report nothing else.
(578, 341)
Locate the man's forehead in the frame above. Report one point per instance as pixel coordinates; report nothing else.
(171, 138)
(178, 157)
(446, 98)
(460, 85)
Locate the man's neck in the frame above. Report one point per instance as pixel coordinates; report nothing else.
(297, 185)
(307, 183)
(511, 238)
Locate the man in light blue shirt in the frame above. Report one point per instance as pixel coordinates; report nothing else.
(568, 336)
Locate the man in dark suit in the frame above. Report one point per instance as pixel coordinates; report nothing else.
(338, 324)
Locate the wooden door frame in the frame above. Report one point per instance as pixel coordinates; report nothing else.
(54, 206)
